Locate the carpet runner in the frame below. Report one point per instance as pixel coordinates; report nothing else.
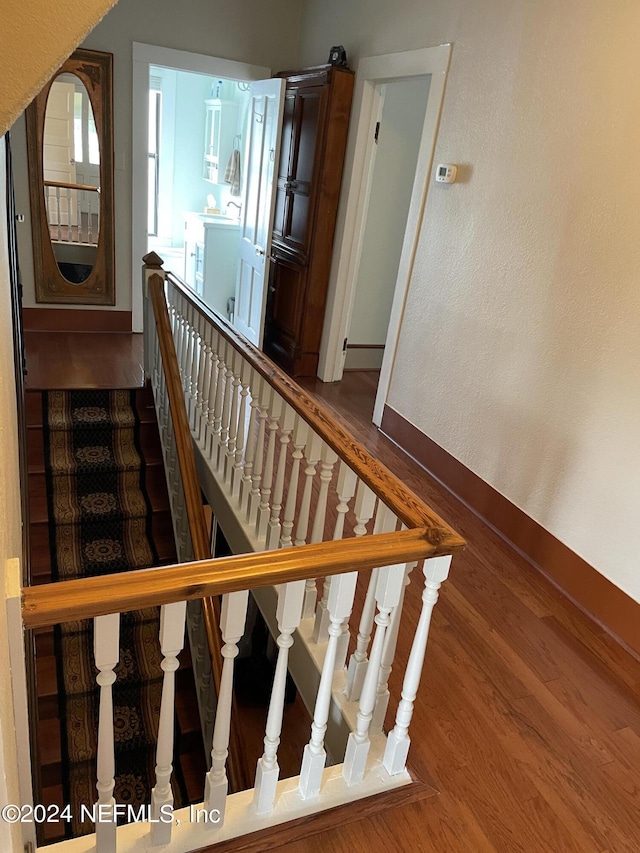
(100, 523)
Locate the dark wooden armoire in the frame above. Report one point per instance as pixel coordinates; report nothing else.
(314, 136)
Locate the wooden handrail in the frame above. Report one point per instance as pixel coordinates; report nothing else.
(64, 186)
(238, 773)
(392, 491)
(182, 433)
(49, 604)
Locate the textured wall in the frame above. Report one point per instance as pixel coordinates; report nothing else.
(524, 307)
(36, 38)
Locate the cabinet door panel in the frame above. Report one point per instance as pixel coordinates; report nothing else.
(297, 187)
(309, 107)
(288, 297)
(285, 304)
(284, 167)
(299, 222)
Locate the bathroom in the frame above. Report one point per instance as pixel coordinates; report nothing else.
(195, 159)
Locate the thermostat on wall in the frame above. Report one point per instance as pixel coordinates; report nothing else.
(446, 173)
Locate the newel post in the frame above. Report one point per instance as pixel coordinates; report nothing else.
(151, 265)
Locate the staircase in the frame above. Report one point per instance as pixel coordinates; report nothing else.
(192, 756)
(327, 539)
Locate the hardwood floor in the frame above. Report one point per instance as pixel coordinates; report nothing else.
(528, 717)
(83, 360)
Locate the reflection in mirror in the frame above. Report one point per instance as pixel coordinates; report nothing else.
(71, 168)
(70, 149)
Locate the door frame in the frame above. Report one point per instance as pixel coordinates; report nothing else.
(372, 72)
(145, 55)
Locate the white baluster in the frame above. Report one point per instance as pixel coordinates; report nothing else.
(200, 367)
(258, 462)
(436, 570)
(212, 393)
(346, 488)
(314, 757)
(236, 368)
(328, 459)
(300, 431)
(288, 615)
(250, 451)
(232, 621)
(176, 327)
(388, 654)
(388, 590)
(214, 455)
(172, 618)
(181, 348)
(205, 387)
(236, 476)
(190, 358)
(264, 510)
(194, 356)
(312, 457)
(384, 523)
(106, 650)
(286, 427)
(226, 407)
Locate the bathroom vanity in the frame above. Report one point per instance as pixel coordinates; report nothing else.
(211, 257)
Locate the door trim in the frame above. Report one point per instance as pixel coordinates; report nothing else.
(372, 72)
(145, 55)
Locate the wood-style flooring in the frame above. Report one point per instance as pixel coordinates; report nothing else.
(528, 715)
(83, 360)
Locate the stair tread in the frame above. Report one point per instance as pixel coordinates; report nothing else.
(153, 480)
(49, 734)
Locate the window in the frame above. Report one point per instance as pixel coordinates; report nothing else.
(153, 149)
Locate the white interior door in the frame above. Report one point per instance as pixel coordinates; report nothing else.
(262, 152)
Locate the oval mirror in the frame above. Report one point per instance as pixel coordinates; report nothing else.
(70, 150)
(71, 169)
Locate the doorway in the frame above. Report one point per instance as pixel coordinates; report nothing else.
(187, 178)
(402, 108)
(146, 56)
(370, 198)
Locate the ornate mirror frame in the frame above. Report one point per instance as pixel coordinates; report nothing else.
(95, 70)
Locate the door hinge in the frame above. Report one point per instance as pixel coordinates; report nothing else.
(344, 345)
(375, 135)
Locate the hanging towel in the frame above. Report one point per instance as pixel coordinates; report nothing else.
(232, 172)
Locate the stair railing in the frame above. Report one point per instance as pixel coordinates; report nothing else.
(190, 528)
(304, 503)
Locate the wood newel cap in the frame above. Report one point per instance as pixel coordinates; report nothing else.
(153, 261)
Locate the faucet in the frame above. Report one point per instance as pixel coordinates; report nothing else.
(238, 206)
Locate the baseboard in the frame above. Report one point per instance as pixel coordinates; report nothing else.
(612, 608)
(81, 320)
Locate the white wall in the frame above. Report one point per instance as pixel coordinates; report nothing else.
(524, 306)
(259, 32)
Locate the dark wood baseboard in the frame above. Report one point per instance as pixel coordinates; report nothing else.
(609, 606)
(304, 827)
(82, 320)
